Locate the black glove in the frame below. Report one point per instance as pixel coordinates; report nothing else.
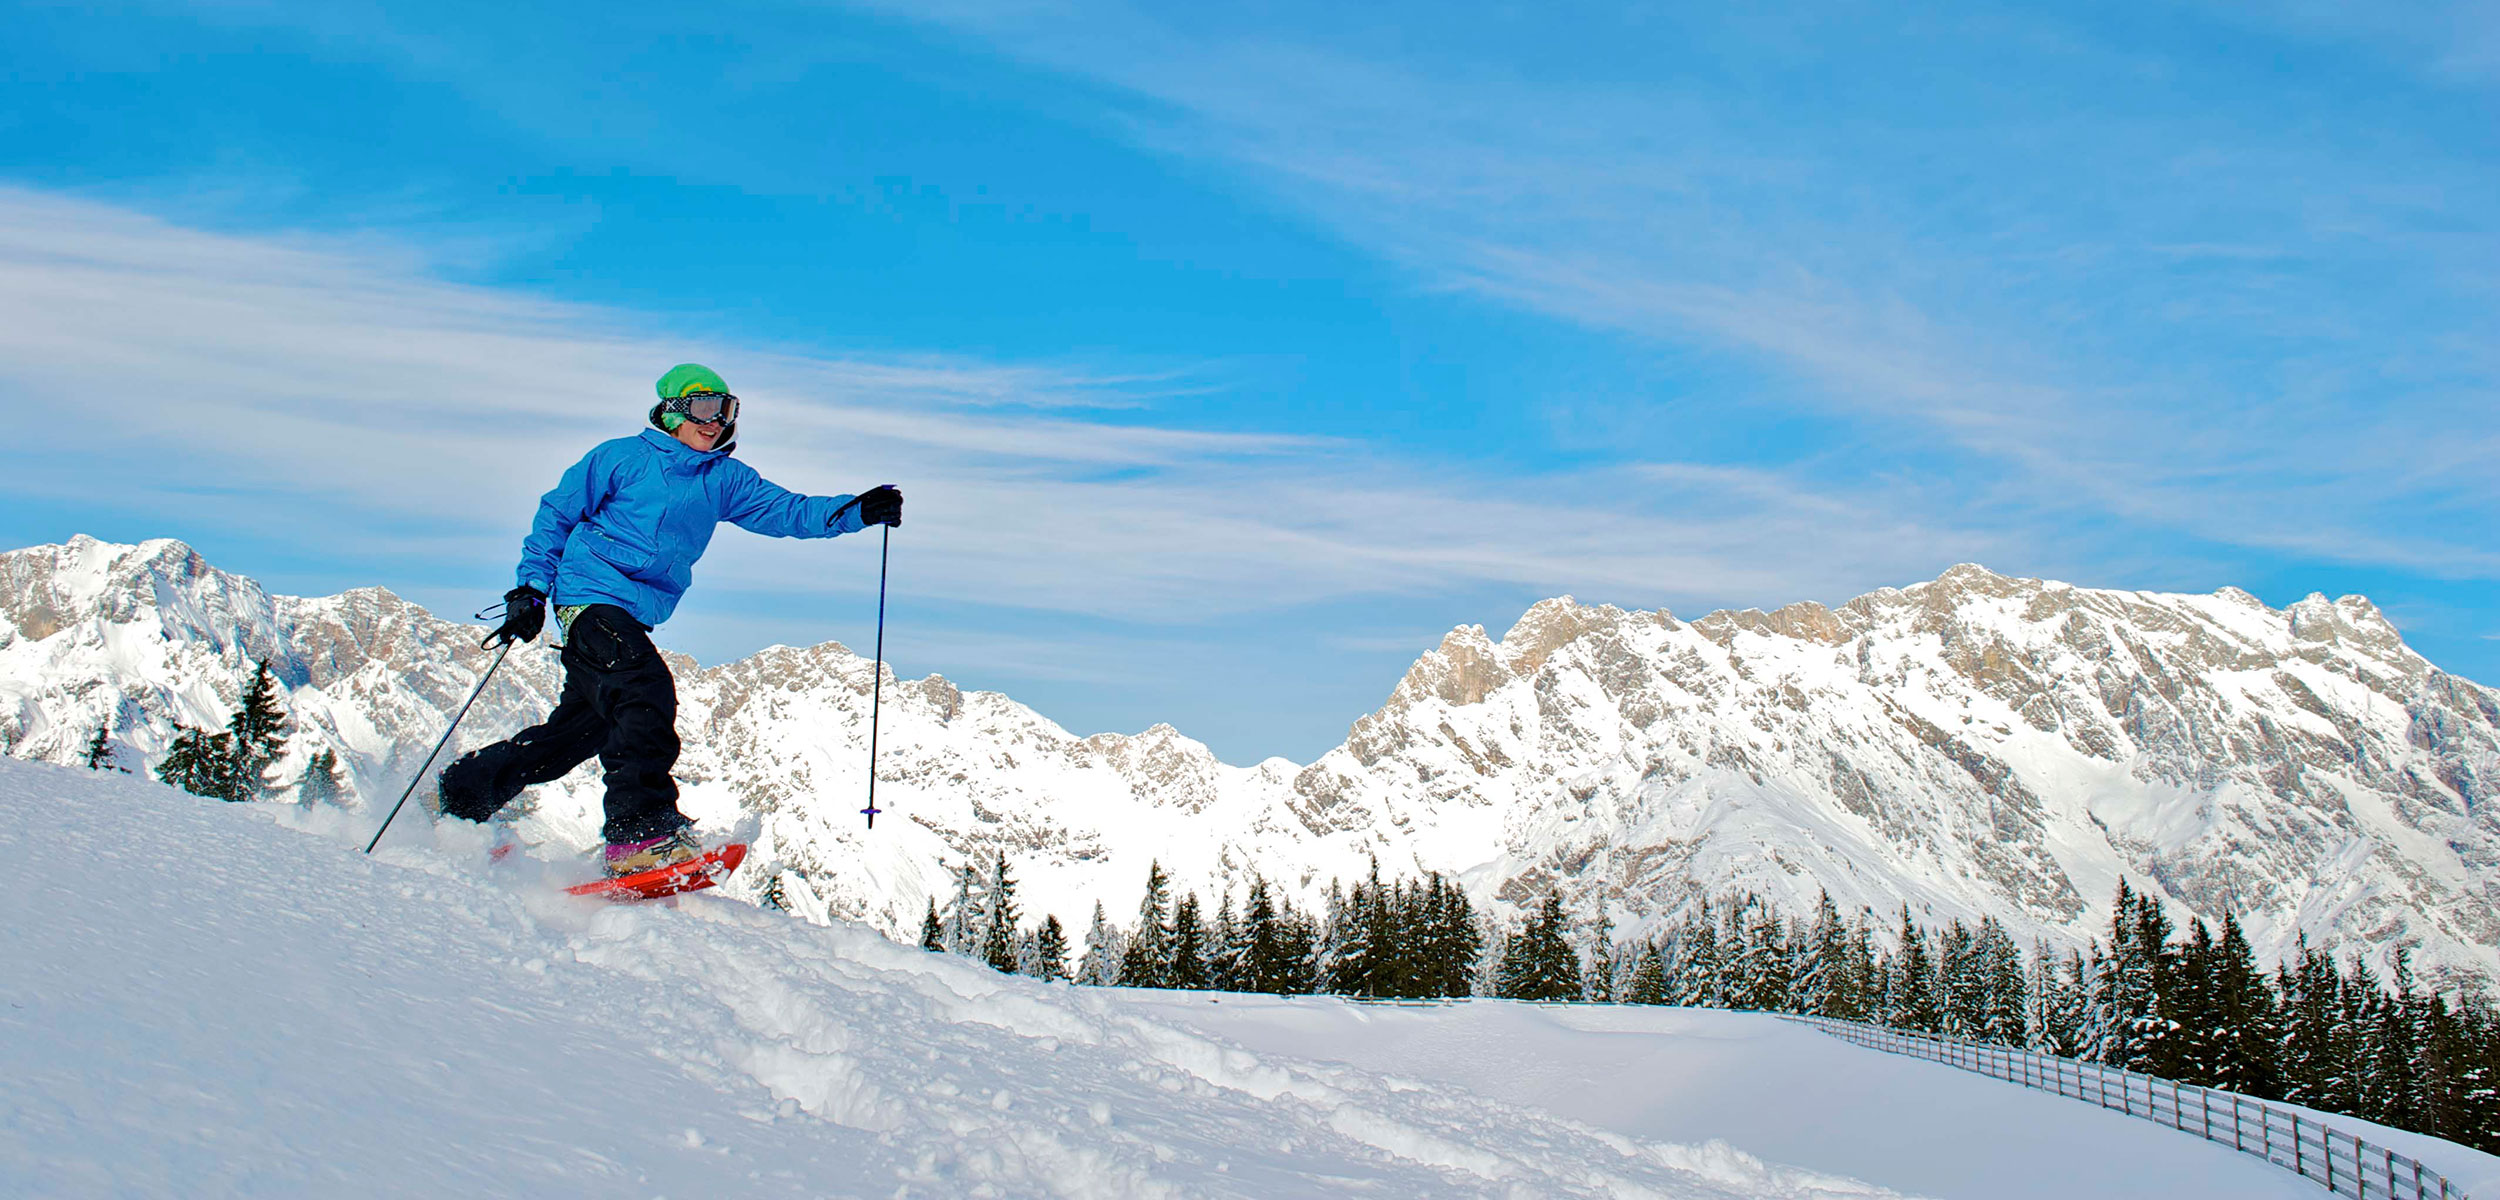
(881, 505)
(524, 614)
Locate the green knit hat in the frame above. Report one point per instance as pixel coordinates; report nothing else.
(681, 379)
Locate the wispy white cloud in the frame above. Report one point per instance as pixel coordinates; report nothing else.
(2261, 402)
(346, 398)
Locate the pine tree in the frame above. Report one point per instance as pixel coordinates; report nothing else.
(998, 935)
(2465, 1050)
(1100, 965)
(1649, 978)
(320, 784)
(1913, 1003)
(1357, 931)
(1187, 966)
(1050, 950)
(1739, 957)
(1823, 968)
(1598, 982)
(257, 736)
(1332, 935)
(1265, 965)
(965, 930)
(1396, 962)
(2005, 1002)
(1462, 942)
(1859, 989)
(1147, 956)
(2057, 1001)
(2315, 1037)
(1539, 963)
(1373, 971)
(2395, 1096)
(1770, 969)
(1298, 937)
(2245, 1022)
(99, 752)
(932, 930)
(200, 763)
(1226, 948)
(2185, 1048)
(2125, 1024)
(2150, 964)
(1694, 975)
(1963, 999)
(777, 898)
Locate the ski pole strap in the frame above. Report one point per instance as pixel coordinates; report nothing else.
(430, 755)
(850, 504)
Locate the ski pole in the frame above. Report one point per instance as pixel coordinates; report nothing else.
(483, 680)
(876, 682)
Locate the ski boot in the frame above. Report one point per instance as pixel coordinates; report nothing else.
(666, 850)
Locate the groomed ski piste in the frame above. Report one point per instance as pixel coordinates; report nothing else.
(204, 999)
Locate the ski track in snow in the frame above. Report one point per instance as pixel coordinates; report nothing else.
(199, 1002)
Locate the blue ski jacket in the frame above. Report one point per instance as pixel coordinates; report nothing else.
(626, 523)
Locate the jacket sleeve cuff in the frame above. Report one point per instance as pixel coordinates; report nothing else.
(845, 518)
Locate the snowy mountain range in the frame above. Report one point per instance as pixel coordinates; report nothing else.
(1973, 745)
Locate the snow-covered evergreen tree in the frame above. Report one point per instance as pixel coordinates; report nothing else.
(1539, 963)
(1354, 968)
(1649, 977)
(1049, 956)
(1597, 978)
(200, 763)
(1147, 957)
(2054, 987)
(1224, 947)
(1100, 964)
(1266, 958)
(1822, 981)
(2247, 1027)
(965, 928)
(2005, 1000)
(98, 755)
(1911, 1000)
(320, 784)
(1961, 999)
(999, 918)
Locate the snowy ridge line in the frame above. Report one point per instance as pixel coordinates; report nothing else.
(2341, 1162)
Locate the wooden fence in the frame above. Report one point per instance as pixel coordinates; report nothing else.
(2345, 1164)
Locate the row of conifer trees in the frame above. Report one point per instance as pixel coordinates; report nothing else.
(234, 763)
(2191, 1005)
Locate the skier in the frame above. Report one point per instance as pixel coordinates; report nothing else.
(612, 549)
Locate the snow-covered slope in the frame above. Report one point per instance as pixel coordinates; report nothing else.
(303, 1020)
(1974, 745)
(202, 1002)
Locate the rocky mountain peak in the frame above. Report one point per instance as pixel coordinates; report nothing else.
(2349, 621)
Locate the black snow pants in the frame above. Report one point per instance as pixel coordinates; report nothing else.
(620, 704)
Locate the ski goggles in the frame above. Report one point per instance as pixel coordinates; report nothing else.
(704, 408)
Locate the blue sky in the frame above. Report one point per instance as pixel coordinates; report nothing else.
(1232, 354)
